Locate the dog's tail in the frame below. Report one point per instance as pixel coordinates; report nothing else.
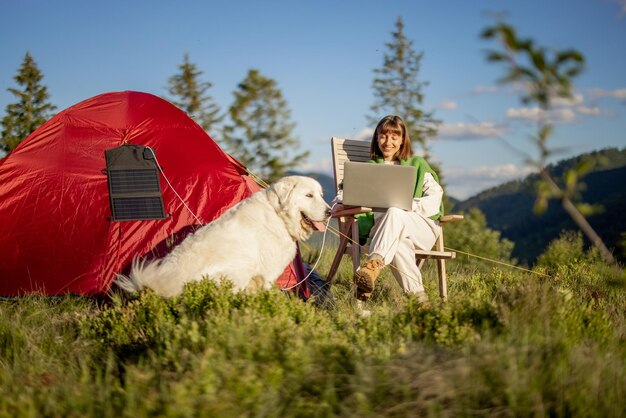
(132, 282)
(152, 274)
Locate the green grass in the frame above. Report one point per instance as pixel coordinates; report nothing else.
(506, 344)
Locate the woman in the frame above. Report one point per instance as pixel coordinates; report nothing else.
(395, 234)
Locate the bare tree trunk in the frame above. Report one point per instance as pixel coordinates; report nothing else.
(580, 220)
(582, 223)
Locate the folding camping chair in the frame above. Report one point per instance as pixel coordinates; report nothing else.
(352, 150)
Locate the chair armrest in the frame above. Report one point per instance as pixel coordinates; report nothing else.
(450, 218)
(341, 210)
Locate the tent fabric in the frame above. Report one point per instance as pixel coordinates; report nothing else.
(56, 234)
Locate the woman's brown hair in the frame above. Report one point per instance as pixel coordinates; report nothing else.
(391, 124)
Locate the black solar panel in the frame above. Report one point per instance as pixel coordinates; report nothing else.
(134, 181)
(134, 188)
(126, 209)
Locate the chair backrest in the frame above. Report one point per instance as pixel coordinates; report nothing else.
(347, 150)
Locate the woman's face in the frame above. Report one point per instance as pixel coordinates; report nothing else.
(389, 143)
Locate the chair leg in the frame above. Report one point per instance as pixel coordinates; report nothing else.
(344, 228)
(441, 270)
(443, 286)
(354, 246)
(420, 262)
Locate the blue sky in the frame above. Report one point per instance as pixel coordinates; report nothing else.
(322, 55)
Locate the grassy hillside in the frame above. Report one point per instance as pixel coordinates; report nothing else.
(509, 207)
(506, 344)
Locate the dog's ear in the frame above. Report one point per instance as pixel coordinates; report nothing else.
(282, 191)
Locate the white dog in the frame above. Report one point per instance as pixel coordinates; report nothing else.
(250, 244)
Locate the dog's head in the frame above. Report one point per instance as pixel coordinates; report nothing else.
(299, 201)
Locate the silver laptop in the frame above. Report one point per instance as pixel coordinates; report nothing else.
(378, 186)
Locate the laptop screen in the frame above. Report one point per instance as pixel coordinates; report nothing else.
(378, 186)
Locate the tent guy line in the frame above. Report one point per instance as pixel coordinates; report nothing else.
(172, 187)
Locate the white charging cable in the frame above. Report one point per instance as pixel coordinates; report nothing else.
(172, 187)
(318, 257)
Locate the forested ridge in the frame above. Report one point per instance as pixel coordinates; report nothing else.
(509, 207)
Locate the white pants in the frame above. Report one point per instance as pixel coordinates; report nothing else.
(395, 236)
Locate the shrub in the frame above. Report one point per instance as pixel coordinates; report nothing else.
(472, 235)
(568, 249)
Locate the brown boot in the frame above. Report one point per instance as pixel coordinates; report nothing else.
(366, 275)
(363, 296)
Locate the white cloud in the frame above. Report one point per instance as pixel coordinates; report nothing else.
(498, 172)
(511, 88)
(590, 111)
(576, 99)
(619, 94)
(448, 105)
(469, 130)
(364, 134)
(563, 115)
(526, 113)
(463, 182)
(577, 103)
(485, 89)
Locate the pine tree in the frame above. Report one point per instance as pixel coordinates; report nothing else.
(261, 132)
(32, 109)
(398, 90)
(189, 95)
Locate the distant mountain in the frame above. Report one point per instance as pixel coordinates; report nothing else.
(327, 182)
(453, 201)
(509, 207)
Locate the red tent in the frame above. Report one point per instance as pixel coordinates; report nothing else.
(58, 232)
